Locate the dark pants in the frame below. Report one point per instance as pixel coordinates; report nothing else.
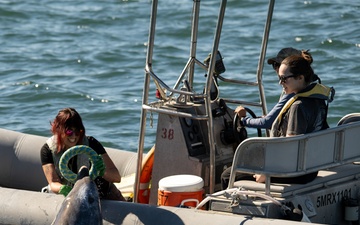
(114, 194)
(303, 179)
(108, 190)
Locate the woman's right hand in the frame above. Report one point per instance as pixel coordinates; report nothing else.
(260, 178)
(240, 111)
(64, 190)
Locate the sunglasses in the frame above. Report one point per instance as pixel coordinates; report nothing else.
(283, 78)
(275, 65)
(70, 132)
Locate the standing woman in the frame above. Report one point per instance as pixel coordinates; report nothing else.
(69, 131)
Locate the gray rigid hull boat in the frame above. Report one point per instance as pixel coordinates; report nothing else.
(197, 134)
(22, 178)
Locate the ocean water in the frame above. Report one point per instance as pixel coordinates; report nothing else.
(90, 55)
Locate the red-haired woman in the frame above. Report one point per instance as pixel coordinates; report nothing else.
(68, 131)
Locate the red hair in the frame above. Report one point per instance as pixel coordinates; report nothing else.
(66, 118)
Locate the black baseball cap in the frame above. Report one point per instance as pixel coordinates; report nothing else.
(283, 53)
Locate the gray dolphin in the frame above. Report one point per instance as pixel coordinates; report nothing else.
(82, 205)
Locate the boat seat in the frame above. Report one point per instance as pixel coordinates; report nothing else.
(325, 178)
(298, 155)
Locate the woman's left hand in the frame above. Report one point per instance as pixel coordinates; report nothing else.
(100, 166)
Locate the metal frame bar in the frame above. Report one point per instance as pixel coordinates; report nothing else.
(189, 67)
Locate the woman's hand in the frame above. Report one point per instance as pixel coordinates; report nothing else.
(260, 178)
(240, 111)
(52, 178)
(100, 166)
(64, 190)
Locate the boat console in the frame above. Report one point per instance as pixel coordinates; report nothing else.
(182, 146)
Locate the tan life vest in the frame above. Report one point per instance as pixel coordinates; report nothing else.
(318, 91)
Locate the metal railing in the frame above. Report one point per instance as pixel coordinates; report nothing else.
(189, 71)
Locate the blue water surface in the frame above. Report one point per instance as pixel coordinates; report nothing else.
(91, 55)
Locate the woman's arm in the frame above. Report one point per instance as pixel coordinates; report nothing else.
(111, 172)
(267, 121)
(52, 178)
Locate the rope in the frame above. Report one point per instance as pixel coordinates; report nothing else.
(236, 191)
(71, 152)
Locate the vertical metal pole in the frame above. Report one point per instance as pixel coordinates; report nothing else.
(145, 98)
(267, 185)
(262, 58)
(209, 80)
(194, 35)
